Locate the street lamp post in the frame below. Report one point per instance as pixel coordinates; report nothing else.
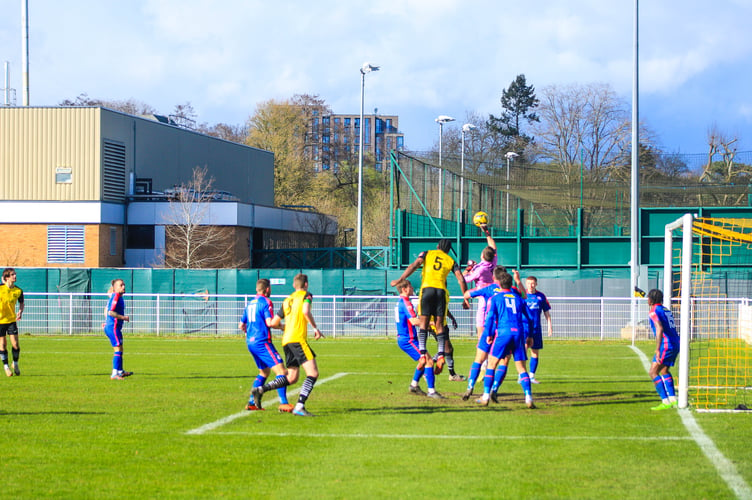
(509, 156)
(468, 127)
(366, 68)
(441, 120)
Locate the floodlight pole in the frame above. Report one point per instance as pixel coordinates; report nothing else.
(635, 182)
(468, 127)
(366, 68)
(441, 120)
(509, 156)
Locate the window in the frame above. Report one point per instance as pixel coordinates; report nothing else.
(379, 126)
(65, 244)
(141, 237)
(64, 175)
(347, 122)
(400, 142)
(357, 123)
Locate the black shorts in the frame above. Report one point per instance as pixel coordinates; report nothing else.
(297, 353)
(433, 302)
(8, 329)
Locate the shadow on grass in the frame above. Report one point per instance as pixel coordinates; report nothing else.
(584, 398)
(421, 410)
(52, 412)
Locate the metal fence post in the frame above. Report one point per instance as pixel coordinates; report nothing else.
(158, 306)
(334, 317)
(603, 318)
(70, 314)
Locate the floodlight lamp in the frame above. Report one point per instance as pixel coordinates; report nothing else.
(368, 67)
(511, 154)
(468, 127)
(444, 119)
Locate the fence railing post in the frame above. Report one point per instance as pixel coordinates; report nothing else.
(603, 318)
(70, 314)
(334, 317)
(158, 306)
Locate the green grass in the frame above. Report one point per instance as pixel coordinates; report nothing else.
(71, 432)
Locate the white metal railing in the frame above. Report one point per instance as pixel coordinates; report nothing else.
(574, 318)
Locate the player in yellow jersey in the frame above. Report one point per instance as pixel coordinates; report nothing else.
(434, 296)
(296, 311)
(10, 294)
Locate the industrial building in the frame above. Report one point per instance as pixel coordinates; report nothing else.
(91, 187)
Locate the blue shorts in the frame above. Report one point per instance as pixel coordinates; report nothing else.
(410, 348)
(483, 344)
(667, 356)
(264, 354)
(537, 339)
(116, 338)
(509, 344)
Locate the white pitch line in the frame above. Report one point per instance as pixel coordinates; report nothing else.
(226, 420)
(458, 437)
(723, 465)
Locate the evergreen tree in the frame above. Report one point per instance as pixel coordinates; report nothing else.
(518, 104)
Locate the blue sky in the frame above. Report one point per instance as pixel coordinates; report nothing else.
(436, 56)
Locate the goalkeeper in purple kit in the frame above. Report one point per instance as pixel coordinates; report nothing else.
(666, 349)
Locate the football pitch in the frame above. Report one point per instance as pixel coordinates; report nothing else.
(177, 428)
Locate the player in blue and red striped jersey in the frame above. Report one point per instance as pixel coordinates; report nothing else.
(537, 304)
(407, 338)
(113, 327)
(256, 322)
(666, 349)
(484, 346)
(507, 325)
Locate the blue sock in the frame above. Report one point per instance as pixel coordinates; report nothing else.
(474, 372)
(257, 382)
(418, 373)
(282, 392)
(488, 380)
(501, 372)
(117, 361)
(533, 366)
(430, 377)
(658, 381)
(525, 383)
(668, 384)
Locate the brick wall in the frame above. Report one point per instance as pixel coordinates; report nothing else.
(25, 245)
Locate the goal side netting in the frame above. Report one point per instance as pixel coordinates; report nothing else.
(708, 282)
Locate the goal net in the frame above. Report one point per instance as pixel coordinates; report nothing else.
(710, 277)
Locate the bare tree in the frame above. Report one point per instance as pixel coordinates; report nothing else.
(583, 131)
(224, 131)
(725, 171)
(192, 242)
(129, 106)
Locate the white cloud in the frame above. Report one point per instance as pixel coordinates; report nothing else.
(437, 56)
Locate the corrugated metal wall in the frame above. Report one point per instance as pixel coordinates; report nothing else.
(36, 141)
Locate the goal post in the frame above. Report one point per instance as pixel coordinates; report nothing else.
(709, 279)
(685, 223)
